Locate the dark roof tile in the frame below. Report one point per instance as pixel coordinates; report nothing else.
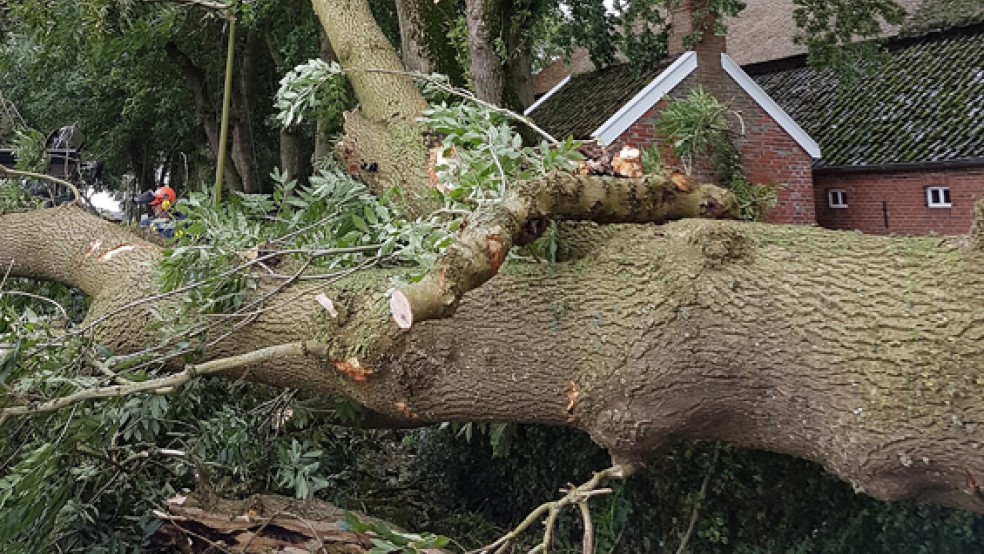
(589, 99)
(921, 103)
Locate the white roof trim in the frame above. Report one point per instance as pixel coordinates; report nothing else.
(770, 106)
(646, 99)
(548, 94)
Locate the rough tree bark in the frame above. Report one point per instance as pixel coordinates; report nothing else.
(861, 353)
(382, 141)
(484, 24)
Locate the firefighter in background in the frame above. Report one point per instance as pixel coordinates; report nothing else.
(159, 203)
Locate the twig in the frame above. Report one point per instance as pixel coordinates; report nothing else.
(61, 308)
(467, 95)
(573, 495)
(700, 498)
(258, 260)
(498, 164)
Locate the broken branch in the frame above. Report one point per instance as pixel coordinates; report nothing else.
(520, 218)
(578, 496)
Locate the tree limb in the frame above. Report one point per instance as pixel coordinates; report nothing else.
(6, 172)
(171, 382)
(522, 216)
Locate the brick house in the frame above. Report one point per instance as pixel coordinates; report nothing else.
(903, 141)
(617, 106)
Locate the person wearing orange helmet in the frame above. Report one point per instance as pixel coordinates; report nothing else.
(159, 201)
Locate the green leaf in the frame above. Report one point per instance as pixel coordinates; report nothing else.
(360, 223)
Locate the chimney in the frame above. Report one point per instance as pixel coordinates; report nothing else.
(682, 24)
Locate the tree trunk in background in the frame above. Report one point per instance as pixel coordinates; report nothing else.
(484, 23)
(243, 102)
(142, 171)
(204, 109)
(412, 49)
(292, 158)
(862, 353)
(294, 163)
(518, 80)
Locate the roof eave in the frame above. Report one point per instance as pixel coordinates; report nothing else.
(902, 166)
(546, 95)
(648, 97)
(769, 105)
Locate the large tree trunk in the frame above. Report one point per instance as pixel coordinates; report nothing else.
(484, 25)
(861, 353)
(382, 143)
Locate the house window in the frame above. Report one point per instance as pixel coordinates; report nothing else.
(837, 198)
(938, 197)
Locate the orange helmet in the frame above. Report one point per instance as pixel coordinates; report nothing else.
(162, 194)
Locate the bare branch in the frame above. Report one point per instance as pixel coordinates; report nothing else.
(578, 496)
(6, 172)
(191, 371)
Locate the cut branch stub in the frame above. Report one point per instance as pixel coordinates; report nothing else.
(492, 231)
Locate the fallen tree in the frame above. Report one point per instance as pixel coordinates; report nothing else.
(860, 353)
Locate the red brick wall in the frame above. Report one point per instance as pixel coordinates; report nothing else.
(768, 154)
(900, 198)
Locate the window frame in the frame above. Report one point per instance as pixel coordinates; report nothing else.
(945, 199)
(842, 203)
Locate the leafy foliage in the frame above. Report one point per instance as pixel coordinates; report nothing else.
(836, 33)
(314, 87)
(696, 128)
(390, 541)
(485, 154)
(29, 144)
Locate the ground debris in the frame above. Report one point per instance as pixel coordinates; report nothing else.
(260, 524)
